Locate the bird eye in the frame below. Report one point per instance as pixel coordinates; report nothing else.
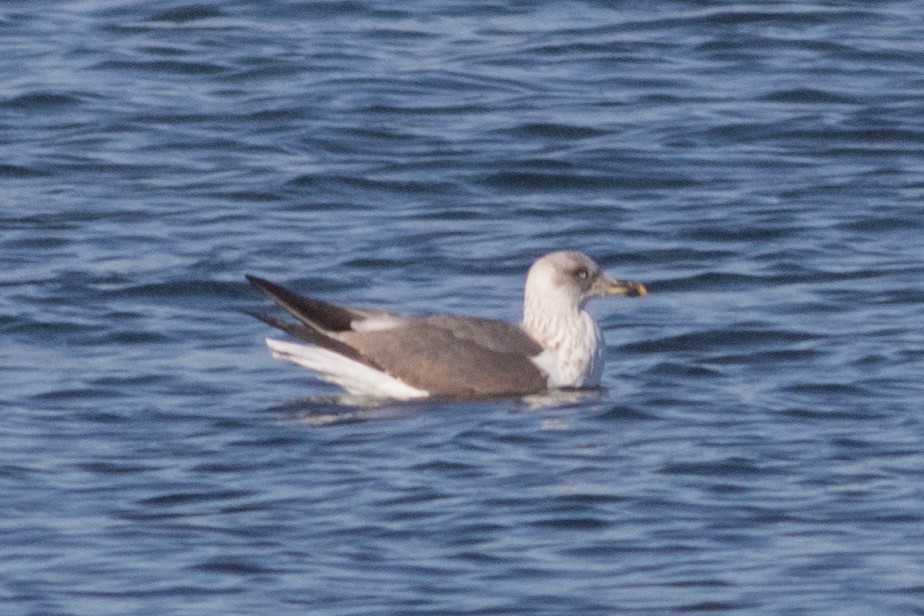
(582, 273)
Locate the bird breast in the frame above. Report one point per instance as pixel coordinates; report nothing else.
(573, 355)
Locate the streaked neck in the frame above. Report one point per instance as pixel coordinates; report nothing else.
(573, 346)
(551, 322)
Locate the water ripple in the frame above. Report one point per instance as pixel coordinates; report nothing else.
(755, 447)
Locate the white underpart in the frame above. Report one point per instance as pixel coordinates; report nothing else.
(573, 355)
(555, 317)
(355, 377)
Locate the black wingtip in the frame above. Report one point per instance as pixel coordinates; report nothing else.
(279, 294)
(259, 283)
(314, 313)
(308, 333)
(261, 316)
(296, 330)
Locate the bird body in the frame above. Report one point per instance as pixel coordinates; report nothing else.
(382, 354)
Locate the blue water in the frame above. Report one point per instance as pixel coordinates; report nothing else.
(759, 445)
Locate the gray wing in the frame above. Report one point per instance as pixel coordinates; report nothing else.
(492, 334)
(455, 356)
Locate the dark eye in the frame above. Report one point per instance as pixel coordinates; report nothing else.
(582, 273)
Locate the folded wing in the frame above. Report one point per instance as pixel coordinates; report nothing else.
(441, 355)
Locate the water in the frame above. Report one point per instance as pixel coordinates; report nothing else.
(758, 447)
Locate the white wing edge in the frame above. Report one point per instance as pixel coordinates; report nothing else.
(358, 379)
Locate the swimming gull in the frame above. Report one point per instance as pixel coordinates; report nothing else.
(381, 354)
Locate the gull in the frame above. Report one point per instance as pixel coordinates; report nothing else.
(373, 353)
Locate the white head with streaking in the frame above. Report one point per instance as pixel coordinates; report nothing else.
(558, 287)
(381, 354)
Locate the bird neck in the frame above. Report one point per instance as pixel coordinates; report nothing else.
(571, 339)
(549, 321)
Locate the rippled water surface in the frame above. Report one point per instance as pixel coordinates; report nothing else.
(759, 444)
